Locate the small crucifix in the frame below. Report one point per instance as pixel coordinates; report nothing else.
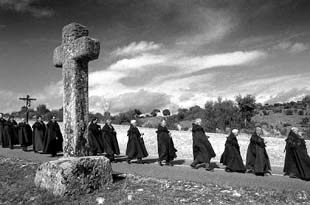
(28, 100)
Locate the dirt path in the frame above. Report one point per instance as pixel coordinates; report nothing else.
(182, 171)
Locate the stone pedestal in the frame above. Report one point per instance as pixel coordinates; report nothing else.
(74, 175)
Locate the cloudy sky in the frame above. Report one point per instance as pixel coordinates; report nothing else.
(159, 53)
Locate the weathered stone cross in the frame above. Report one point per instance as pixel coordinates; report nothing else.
(73, 55)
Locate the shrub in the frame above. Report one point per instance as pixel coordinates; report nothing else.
(301, 112)
(286, 124)
(289, 112)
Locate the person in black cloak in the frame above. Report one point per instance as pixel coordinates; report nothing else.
(110, 140)
(24, 134)
(135, 146)
(2, 123)
(38, 134)
(231, 157)
(166, 150)
(297, 160)
(257, 160)
(53, 138)
(10, 133)
(95, 141)
(202, 148)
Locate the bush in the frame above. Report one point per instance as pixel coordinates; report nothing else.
(265, 112)
(289, 112)
(286, 124)
(301, 112)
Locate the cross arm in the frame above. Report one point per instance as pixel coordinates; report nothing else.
(58, 56)
(83, 48)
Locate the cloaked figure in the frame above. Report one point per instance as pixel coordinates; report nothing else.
(2, 123)
(24, 134)
(166, 150)
(135, 145)
(231, 156)
(257, 159)
(202, 148)
(297, 160)
(95, 141)
(10, 133)
(53, 138)
(38, 134)
(110, 140)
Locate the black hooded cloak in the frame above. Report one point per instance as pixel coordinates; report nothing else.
(24, 134)
(110, 140)
(166, 150)
(53, 138)
(135, 146)
(231, 157)
(257, 158)
(297, 160)
(95, 140)
(38, 135)
(202, 148)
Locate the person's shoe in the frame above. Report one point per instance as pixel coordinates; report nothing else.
(128, 161)
(228, 170)
(193, 166)
(250, 171)
(169, 164)
(201, 165)
(292, 175)
(160, 163)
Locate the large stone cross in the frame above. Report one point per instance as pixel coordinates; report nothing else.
(73, 55)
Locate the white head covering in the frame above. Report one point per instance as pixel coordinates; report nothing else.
(198, 120)
(133, 121)
(235, 131)
(294, 129)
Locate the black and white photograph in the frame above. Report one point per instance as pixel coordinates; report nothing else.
(154, 102)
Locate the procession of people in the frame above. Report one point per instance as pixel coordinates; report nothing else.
(48, 139)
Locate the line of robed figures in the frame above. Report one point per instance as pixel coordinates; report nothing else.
(45, 138)
(48, 139)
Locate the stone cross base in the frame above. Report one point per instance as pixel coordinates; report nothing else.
(74, 175)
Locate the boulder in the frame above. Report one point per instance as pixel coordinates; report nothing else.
(74, 175)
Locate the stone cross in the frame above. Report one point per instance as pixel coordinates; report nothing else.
(73, 55)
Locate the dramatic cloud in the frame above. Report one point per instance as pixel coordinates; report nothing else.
(136, 48)
(26, 6)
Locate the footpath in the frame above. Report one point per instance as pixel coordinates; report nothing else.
(182, 171)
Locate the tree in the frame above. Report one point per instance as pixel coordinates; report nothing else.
(166, 112)
(42, 109)
(154, 112)
(247, 106)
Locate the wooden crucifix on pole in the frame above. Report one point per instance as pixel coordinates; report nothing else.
(28, 100)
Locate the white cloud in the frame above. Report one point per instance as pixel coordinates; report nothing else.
(26, 6)
(298, 48)
(136, 48)
(288, 46)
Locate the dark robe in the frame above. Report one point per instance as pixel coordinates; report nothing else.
(94, 139)
(2, 123)
(10, 134)
(24, 134)
(53, 138)
(297, 160)
(257, 158)
(135, 145)
(231, 157)
(82, 142)
(202, 148)
(110, 140)
(38, 135)
(166, 150)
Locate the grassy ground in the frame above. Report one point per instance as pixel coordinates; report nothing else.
(17, 187)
